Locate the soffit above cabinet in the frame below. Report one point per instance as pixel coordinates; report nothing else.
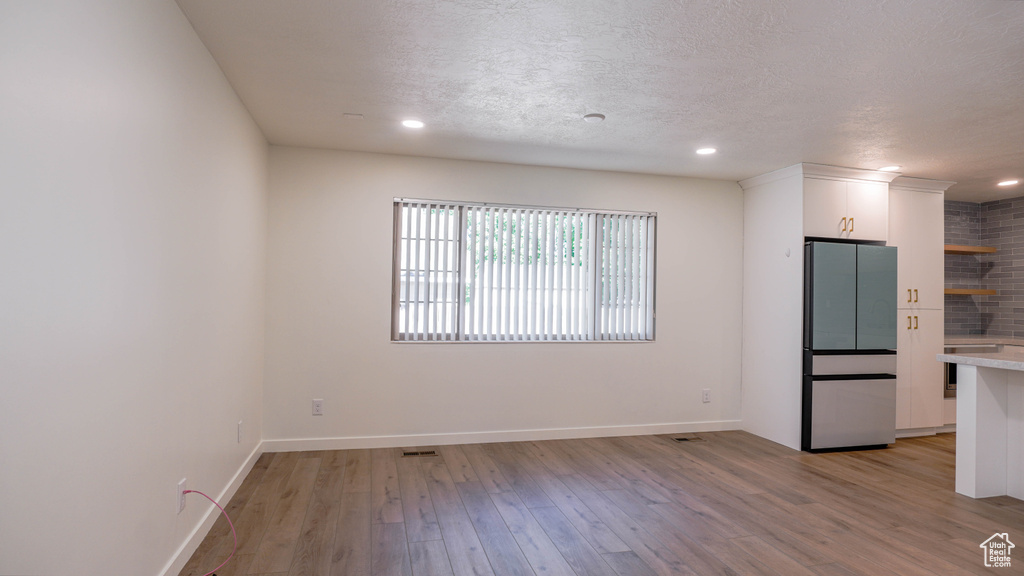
(919, 184)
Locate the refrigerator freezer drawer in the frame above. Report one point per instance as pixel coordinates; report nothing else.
(849, 413)
(827, 364)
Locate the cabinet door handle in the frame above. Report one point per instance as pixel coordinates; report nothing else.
(908, 322)
(915, 294)
(915, 322)
(844, 224)
(851, 223)
(908, 296)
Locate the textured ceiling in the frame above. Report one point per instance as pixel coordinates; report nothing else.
(936, 86)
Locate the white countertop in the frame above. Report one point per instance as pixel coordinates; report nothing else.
(1009, 358)
(981, 340)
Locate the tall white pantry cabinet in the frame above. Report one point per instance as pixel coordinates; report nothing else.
(916, 227)
(784, 207)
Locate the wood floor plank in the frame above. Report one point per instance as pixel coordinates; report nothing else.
(506, 557)
(508, 460)
(277, 548)
(585, 465)
(738, 560)
(351, 555)
(429, 558)
(770, 556)
(251, 524)
(628, 472)
(644, 544)
(629, 564)
(582, 518)
(549, 458)
(584, 559)
(833, 570)
(386, 494)
(357, 471)
(683, 545)
(486, 469)
(389, 554)
(315, 545)
(420, 518)
(458, 465)
(236, 566)
(465, 552)
(954, 552)
(535, 544)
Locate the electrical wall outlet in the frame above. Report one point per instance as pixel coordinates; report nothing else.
(182, 486)
(318, 406)
(239, 431)
(705, 395)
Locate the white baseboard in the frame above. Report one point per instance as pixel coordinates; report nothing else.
(408, 441)
(915, 432)
(184, 552)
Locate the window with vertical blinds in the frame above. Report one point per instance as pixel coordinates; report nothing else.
(483, 272)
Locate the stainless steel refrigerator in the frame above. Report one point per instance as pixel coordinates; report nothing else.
(849, 384)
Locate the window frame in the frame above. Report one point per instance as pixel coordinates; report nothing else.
(594, 277)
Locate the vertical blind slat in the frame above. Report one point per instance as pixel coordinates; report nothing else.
(574, 279)
(406, 232)
(415, 272)
(592, 271)
(445, 231)
(472, 271)
(627, 278)
(507, 289)
(649, 308)
(542, 278)
(495, 308)
(429, 308)
(556, 277)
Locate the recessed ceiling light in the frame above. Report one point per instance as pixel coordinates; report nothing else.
(594, 117)
(1008, 182)
(890, 168)
(705, 151)
(412, 123)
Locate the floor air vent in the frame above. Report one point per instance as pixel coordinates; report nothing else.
(688, 439)
(406, 453)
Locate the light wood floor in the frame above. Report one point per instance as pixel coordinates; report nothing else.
(730, 503)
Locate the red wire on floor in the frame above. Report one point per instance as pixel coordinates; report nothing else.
(233, 534)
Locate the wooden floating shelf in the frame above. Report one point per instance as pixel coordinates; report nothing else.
(970, 291)
(969, 250)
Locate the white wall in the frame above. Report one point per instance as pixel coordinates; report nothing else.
(329, 296)
(132, 266)
(773, 259)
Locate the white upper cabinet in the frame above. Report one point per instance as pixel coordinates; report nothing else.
(867, 208)
(846, 209)
(825, 208)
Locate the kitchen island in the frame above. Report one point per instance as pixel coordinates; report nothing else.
(990, 421)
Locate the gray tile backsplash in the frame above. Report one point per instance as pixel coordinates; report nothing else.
(999, 224)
